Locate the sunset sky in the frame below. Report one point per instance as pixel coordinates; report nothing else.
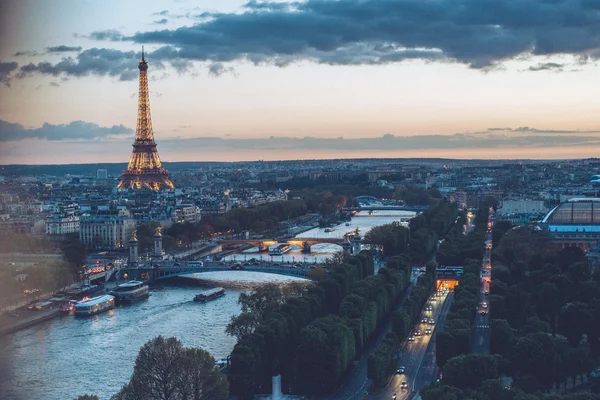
(237, 80)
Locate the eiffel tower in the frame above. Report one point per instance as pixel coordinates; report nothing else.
(145, 168)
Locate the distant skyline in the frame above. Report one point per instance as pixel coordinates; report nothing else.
(241, 81)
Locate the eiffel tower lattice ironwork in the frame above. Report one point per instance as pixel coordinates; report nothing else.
(145, 168)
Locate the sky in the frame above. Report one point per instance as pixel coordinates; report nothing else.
(247, 80)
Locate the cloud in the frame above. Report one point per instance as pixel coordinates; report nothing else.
(526, 129)
(63, 49)
(163, 13)
(28, 53)
(10, 132)
(218, 69)
(100, 62)
(54, 84)
(386, 142)
(109, 34)
(479, 33)
(162, 21)
(6, 69)
(547, 67)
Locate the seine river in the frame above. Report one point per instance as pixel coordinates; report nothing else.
(67, 356)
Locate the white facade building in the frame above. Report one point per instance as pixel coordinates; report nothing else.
(107, 232)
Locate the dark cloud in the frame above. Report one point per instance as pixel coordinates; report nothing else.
(218, 69)
(162, 21)
(269, 5)
(28, 53)
(6, 69)
(109, 34)
(54, 84)
(63, 49)
(102, 62)
(164, 13)
(547, 67)
(478, 33)
(75, 130)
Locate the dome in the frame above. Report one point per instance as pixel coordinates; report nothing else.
(575, 214)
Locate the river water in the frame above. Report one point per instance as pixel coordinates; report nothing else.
(67, 356)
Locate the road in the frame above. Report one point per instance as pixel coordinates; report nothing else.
(416, 355)
(481, 328)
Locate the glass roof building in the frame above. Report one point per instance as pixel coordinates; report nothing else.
(575, 222)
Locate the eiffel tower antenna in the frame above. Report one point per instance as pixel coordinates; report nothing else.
(144, 168)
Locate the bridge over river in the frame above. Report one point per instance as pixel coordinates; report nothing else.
(157, 272)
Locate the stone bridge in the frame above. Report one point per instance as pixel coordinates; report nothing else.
(263, 244)
(163, 272)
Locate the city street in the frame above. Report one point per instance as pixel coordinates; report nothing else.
(417, 357)
(481, 328)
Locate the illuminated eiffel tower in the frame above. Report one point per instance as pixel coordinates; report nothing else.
(145, 168)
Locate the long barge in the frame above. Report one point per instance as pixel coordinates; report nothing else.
(209, 295)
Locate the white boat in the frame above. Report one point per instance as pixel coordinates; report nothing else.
(95, 305)
(280, 250)
(130, 292)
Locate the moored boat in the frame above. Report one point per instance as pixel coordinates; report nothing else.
(210, 295)
(95, 305)
(130, 292)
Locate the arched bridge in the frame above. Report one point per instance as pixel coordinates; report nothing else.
(163, 272)
(263, 244)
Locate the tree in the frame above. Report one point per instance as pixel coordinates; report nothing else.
(470, 370)
(165, 370)
(574, 320)
(548, 304)
(75, 252)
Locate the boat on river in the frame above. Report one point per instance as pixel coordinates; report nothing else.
(209, 295)
(280, 250)
(130, 292)
(95, 305)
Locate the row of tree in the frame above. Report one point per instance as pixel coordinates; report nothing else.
(383, 361)
(313, 338)
(427, 228)
(11, 242)
(455, 338)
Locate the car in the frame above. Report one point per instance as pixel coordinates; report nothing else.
(431, 321)
(424, 320)
(486, 292)
(428, 331)
(483, 313)
(404, 385)
(429, 308)
(411, 338)
(433, 300)
(400, 370)
(484, 304)
(418, 332)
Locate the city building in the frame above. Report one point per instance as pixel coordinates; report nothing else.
(575, 222)
(101, 174)
(187, 213)
(106, 231)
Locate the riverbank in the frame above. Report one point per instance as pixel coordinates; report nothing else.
(23, 318)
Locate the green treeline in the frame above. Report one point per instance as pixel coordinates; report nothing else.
(312, 339)
(456, 337)
(421, 239)
(382, 361)
(427, 227)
